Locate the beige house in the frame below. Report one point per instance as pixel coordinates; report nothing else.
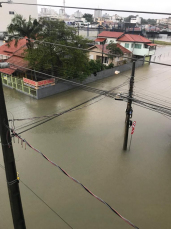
(119, 60)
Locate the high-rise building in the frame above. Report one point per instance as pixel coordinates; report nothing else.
(7, 12)
(98, 14)
(78, 14)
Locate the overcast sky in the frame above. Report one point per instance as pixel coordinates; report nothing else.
(141, 5)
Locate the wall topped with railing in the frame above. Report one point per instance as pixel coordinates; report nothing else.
(45, 88)
(18, 84)
(39, 84)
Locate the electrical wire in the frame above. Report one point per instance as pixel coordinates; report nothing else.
(86, 8)
(114, 55)
(83, 86)
(14, 134)
(50, 117)
(41, 200)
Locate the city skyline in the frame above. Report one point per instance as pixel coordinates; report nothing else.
(125, 5)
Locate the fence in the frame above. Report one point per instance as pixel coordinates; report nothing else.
(49, 88)
(16, 83)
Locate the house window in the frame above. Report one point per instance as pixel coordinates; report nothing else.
(105, 60)
(11, 12)
(132, 45)
(126, 46)
(137, 46)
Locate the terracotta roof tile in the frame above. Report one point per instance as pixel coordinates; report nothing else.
(100, 39)
(16, 56)
(124, 50)
(5, 50)
(134, 38)
(7, 71)
(110, 34)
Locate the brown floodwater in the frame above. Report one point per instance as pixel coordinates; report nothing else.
(87, 143)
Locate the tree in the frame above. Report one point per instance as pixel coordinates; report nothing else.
(113, 50)
(20, 28)
(88, 17)
(58, 59)
(151, 21)
(128, 19)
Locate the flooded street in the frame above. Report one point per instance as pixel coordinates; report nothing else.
(87, 144)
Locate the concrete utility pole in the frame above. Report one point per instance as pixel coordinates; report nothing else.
(129, 107)
(9, 162)
(78, 29)
(103, 43)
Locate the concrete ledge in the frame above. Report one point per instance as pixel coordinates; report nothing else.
(63, 86)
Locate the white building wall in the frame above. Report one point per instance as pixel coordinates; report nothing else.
(139, 52)
(108, 40)
(25, 10)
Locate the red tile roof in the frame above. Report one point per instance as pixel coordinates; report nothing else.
(110, 34)
(100, 39)
(16, 56)
(5, 50)
(19, 61)
(7, 71)
(124, 50)
(151, 44)
(134, 38)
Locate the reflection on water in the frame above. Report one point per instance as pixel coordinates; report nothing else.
(88, 144)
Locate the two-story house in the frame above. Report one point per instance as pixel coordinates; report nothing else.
(138, 45)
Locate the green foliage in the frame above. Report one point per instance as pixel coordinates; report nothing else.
(88, 17)
(20, 28)
(143, 21)
(151, 21)
(113, 50)
(56, 59)
(95, 66)
(127, 19)
(111, 65)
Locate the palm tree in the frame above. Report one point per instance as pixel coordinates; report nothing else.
(20, 28)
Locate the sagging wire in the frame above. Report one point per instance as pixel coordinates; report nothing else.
(49, 117)
(2, 167)
(14, 134)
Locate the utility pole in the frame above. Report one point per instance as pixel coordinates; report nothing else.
(88, 30)
(103, 43)
(9, 162)
(78, 30)
(102, 55)
(129, 107)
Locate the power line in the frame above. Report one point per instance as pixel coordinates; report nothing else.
(41, 200)
(114, 55)
(88, 88)
(50, 117)
(72, 178)
(87, 8)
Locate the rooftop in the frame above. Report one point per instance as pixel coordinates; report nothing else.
(133, 38)
(110, 34)
(124, 50)
(15, 54)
